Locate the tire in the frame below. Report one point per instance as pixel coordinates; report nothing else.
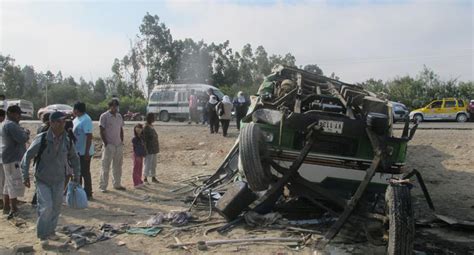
(252, 149)
(418, 117)
(401, 222)
(164, 116)
(461, 117)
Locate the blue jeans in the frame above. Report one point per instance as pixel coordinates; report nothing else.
(50, 199)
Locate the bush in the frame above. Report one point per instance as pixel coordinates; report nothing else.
(126, 104)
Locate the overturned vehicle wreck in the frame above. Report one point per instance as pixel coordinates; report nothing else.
(329, 144)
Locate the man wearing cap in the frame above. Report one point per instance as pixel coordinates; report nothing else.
(49, 173)
(82, 130)
(111, 132)
(14, 140)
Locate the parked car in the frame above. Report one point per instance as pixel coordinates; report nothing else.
(25, 105)
(55, 108)
(170, 101)
(399, 111)
(443, 109)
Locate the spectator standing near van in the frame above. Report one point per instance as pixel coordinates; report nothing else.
(203, 103)
(212, 114)
(2, 173)
(111, 132)
(14, 146)
(139, 153)
(241, 105)
(53, 151)
(193, 107)
(152, 147)
(224, 110)
(82, 130)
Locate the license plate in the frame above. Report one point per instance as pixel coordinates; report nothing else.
(330, 126)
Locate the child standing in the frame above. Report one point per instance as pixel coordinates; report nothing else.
(138, 155)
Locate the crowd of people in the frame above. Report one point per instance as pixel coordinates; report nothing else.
(218, 112)
(61, 152)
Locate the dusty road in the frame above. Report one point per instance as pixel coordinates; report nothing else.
(445, 158)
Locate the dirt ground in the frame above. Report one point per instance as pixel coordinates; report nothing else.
(445, 158)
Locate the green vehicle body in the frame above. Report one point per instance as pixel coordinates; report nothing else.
(350, 149)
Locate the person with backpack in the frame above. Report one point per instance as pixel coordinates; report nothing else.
(224, 110)
(43, 128)
(83, 129)
(51, 151)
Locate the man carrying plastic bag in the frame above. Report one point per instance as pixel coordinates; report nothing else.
(76, 196)
(51, 151)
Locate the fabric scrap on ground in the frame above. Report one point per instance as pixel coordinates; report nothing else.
(81, 236)
(148, 231)
(176, 218)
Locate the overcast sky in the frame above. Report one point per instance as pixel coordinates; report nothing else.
(355, 39)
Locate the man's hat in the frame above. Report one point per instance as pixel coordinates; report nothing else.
(55, 116)
(14, 109)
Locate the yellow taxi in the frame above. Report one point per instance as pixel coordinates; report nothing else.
(442, 109)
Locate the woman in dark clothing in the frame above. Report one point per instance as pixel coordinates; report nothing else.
(241, 105)
(212, 114)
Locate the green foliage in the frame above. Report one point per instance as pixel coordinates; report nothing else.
(165, 60)
(126, 104)
(419, 91)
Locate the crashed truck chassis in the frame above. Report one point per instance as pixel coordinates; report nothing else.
(289, 176)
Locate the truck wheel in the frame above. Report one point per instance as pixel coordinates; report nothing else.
(418, 118)
(164, 116)
(401, 223)
(461, 117)
(252, 149)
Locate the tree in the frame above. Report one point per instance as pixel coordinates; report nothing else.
(100, 90)
(375, 86)
(30, 85)
(158, 51)
(262, 65)
(246, 69)
(13, 80)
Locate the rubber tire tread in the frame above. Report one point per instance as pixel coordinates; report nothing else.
(401, 220)
(250, 142)
(162, 113)
(421, 120)
(466, 118)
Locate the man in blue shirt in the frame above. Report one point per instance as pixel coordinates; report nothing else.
(82, 130)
